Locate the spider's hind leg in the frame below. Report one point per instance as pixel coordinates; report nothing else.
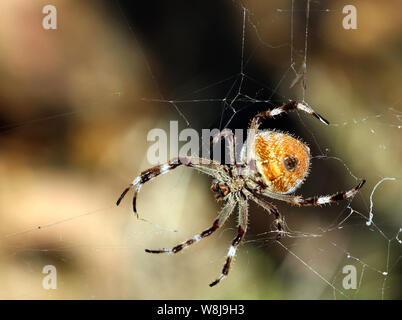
(243, 218)
(272, 210)
(224, 214)
(316, 201)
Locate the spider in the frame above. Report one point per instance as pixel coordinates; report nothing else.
(273, 165)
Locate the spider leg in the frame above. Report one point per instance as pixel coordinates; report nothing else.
(227, 133)
(222, 217)
(204, 165)
(317, 200)
(256, 121)
(272, 210)
(241, 230)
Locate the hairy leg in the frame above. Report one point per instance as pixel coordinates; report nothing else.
(222, 217)
(206, 166)
(241, 230)
(262, 202)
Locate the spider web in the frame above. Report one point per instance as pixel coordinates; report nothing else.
(365, 232)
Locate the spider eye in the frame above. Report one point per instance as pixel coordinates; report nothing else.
(290, 163)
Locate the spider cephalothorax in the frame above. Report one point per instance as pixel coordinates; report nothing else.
(273, 165)
(220, 189)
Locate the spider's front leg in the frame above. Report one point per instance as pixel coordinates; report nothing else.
(227, 133)
(293, 105)
(204, 165)
(257, 120)
(241, 230)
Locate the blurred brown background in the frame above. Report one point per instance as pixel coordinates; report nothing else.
(73, 128)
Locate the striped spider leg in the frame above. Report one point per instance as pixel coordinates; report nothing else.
(220, 220)
(206, 166)
(241, 230)
(256, 121)
(315, 200)
(293, 105)
(258, 197)
(262, 202)
(227, 134)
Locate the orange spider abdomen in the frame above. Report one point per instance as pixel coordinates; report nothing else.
(282, 160)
